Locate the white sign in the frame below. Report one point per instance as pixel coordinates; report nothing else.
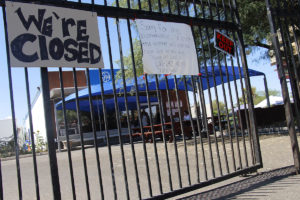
(168, 48)
(46, 36)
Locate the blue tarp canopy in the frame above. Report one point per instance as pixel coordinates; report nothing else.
(110, 106)
(130, 85)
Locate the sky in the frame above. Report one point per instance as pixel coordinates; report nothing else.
(18, 77)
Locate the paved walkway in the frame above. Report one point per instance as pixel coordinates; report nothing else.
(276, 180)
(269, 183)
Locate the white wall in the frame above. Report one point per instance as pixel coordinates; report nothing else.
(6, 129)
(38, 117)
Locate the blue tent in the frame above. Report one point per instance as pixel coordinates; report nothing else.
(130, 84)
(110, 106)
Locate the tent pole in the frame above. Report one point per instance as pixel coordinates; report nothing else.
(267, 91)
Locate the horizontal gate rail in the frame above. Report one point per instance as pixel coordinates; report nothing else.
(124, 13)
(207, 183)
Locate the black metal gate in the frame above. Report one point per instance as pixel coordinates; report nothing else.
(284, 23)
(217, 141)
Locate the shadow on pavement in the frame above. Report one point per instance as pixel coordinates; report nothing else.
(254, 182)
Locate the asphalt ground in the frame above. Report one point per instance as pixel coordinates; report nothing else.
(276, 152)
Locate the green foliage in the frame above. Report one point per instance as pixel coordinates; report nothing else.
(71, 116)
(221, 107)
(127, 62)
(255, 24)
(7, 148)
(258, 96)
(274, 93)
(40, 144)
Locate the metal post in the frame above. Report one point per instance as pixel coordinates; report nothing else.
(252, 118)
(15, 132)
(50, 136)
(1, 186)
(285, 94)
(267, 91)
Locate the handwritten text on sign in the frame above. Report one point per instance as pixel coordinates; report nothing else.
(45, 36)
(168, 48)
(224, 43)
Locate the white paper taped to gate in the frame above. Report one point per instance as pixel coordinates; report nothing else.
(168, 48)
(46, 36)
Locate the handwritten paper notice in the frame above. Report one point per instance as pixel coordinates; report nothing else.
(168, 48)
(47, 36)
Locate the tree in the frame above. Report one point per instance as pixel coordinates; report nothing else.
(221, 107)
(258, 96)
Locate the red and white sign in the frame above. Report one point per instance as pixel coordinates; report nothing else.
(224, 43)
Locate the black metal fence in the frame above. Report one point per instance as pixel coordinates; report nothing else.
(211, 146)
(284, 23)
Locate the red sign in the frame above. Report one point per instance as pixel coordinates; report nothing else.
(224, 43)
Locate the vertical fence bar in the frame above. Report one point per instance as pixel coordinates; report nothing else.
(117, 108)
(79, 125)
(291, 63)
(203, 119)
(107, 136)
(285, 94)
(162, 120)
(237, 96)
(50, 136)
(36, 179)
(215, 89)
(182, 132)
(267, 91)
(153, 136)
(61, 82)
(94, 133)
(1, 185)
(173, 132)
(246, 110)
(258, 158)
(224, 96)
(230, 96)
(172, 121)
(12, 106)
(195, 103)
(137, 99)
(192, 124)
(180, 116)
(133, 65)
(231, 99)
(128, 119)
(201, 94)
(204, 107)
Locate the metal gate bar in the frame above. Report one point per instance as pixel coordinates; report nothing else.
(67, 132)
(291, 64)
(78, 113)
(1, 184)
(37, 190)
(12, 108)
(272, 14)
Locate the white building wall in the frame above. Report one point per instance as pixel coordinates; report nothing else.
(38, 117)
(6, 129)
